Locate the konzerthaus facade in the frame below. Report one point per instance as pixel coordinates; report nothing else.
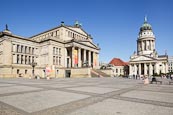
(146, 60)
(67, 50)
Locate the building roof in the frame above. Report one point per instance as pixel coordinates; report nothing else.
(118, 62)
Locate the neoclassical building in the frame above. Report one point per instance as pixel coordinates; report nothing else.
(68, 51)
(146, 60)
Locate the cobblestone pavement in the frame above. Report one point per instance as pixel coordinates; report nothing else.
(84, 96)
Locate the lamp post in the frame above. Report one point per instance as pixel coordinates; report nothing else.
(33, 64)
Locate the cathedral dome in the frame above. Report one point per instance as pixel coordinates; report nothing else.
(145, 25)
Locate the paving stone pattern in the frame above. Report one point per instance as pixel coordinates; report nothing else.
(84, 96)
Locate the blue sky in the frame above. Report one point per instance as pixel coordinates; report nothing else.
(114, 24)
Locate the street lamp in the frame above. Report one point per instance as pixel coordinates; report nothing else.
(33, 64)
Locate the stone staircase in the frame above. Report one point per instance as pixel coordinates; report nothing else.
(98, 73)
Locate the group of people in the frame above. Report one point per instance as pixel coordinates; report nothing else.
(168, 76)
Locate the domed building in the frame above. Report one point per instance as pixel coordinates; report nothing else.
(146, 60)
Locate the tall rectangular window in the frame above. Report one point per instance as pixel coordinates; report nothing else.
(25, 49)
(59, 60)
(29, 61)
(32, 50)
(59, 51)
(54, 50)
(21, 59)
(25, 59)
(116, 70)
(17, 59)
(26, 71)
(21, 48)
(18, 48)
(29, 50)
(54, 60)
(32, 58)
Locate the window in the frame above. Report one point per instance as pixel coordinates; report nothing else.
(21, 48)
(29, 61)
(29, 50)
(25, 49)
(53, 60)
(26, 71)
(21, 59)
(56, 51)
(59, 60)
(32, 50)
(53, 50)
(32, 58)
(73, 35)
(59, 51)
(18, 48)
(25, 59)
(17, 71)
(116, 70)
(17, 59)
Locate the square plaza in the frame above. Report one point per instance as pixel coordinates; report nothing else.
(84, 96)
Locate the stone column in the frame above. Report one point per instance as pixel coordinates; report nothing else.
(89, 58)
(153, 44)
(156, 69)
(150, 70)
(79, 57)
(145, 69)
(72, 56)
(130, 70)
(97, 60)
(142, 45)
(150, 44)
(84, 55)
(135, 69)
(139, 68)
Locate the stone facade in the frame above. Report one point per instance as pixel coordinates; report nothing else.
(146, 61)
(61, 49)
(170, 64)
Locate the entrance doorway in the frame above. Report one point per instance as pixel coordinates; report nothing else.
(67, 73)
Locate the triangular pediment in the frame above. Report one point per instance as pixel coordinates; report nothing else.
(88, 43)
(79, 30)
(142, 58)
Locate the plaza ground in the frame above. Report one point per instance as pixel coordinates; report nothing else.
(84, 96)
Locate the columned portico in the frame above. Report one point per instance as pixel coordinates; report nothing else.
(81, 57)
